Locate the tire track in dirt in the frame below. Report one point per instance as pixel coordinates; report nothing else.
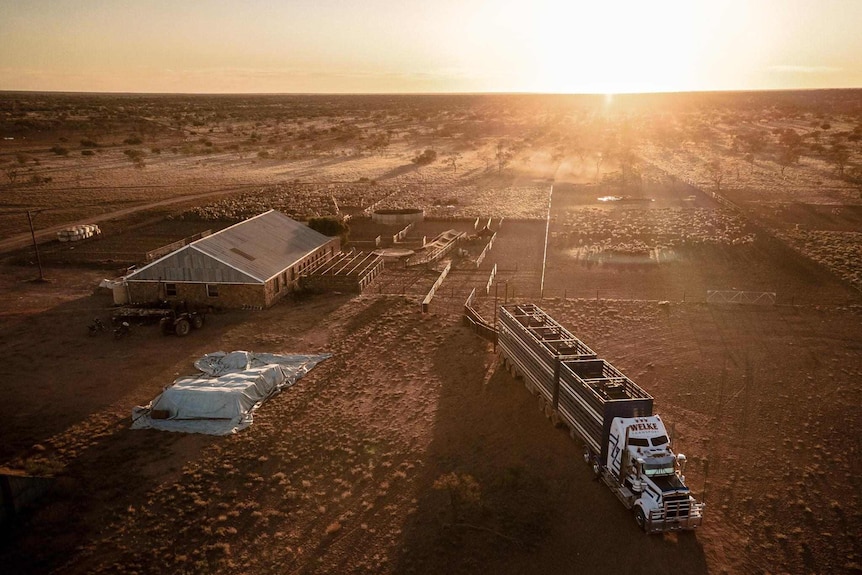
(20, 241)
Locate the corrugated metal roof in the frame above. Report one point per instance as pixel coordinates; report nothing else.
(251, 251)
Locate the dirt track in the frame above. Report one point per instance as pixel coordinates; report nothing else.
(45, 234)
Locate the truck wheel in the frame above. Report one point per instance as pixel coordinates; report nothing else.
(549, 411)
(197, 321)
(182, 327)
(640, 518)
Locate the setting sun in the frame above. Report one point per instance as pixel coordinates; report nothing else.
(452, 46)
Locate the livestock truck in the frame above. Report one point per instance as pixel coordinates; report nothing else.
(626, 444)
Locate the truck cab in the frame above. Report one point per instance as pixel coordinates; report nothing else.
(647, 475)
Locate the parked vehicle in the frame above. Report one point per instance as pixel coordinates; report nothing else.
(181, 323)
(173, 317)
(96, 327)
(626, 444)
(122, 330)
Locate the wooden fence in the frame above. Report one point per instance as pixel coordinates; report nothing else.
(491, 280)
(400, 235)
(165, 250)
(476, 322)
(427, 301)
(486, 250)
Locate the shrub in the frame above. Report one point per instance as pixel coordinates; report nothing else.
(463, 491)
(330, 227)
(136, 156)
(133, 141)
(425, 158)
(88, 143)
(88, 153)
(38, 180)
(60, 150)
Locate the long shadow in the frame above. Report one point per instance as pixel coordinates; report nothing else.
(67, 413)
(539, 509)
(96, 488)
(399, 171)
(64, 375)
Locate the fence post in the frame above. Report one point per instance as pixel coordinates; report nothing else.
(496, 294)
(8, 497)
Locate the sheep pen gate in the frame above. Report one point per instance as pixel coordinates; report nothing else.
(348, 272)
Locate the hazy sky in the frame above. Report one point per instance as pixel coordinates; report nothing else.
(429, 46)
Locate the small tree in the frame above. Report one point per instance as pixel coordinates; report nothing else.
(453, 160)
(716, 173)
(754, 143)
(839, 155)
(503, 155)
(786, 157)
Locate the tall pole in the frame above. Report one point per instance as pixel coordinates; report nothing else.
(35, 246)
(545, 254)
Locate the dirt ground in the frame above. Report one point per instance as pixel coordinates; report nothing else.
(347, 472)
(337, 474)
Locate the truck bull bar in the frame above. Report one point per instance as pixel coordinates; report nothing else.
(675, 516)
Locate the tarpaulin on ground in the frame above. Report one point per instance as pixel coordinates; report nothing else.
(222, 398)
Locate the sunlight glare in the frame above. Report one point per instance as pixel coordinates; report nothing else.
(614, 47)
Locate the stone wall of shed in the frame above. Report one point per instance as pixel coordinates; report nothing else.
(230, 296)
(236, 296)
(144, 292)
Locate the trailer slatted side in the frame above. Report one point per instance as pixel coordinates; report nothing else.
(585, 391)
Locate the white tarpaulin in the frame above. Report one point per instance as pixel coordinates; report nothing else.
(223, 397)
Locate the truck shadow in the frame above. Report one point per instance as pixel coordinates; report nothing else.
(506, 492)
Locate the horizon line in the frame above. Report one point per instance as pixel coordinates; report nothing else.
(454, 93)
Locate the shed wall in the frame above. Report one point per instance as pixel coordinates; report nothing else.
(229, 295)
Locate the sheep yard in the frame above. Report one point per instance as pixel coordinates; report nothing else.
(412, 450)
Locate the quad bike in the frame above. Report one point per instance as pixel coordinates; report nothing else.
(96, 327)
(122, 330)
(181, 323)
